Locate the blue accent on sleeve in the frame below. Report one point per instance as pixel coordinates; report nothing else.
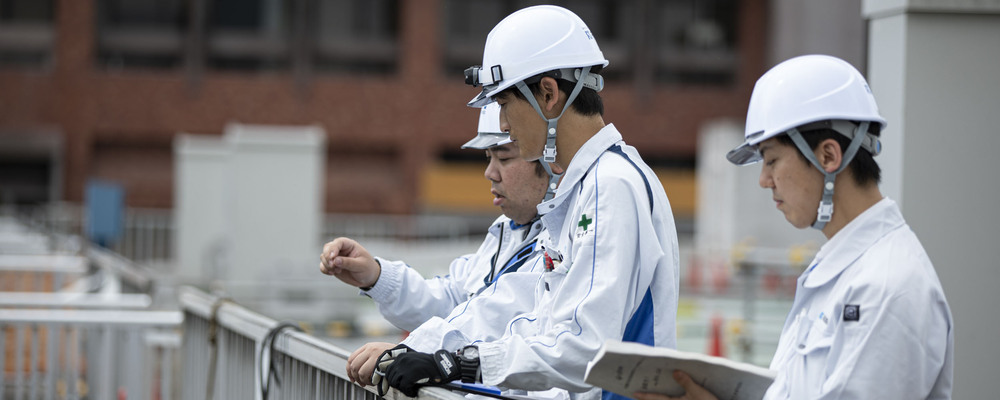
(640, 330)
(640, 327)
(606, 395)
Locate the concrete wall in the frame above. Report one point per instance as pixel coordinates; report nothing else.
(817, 27)
(934, 71)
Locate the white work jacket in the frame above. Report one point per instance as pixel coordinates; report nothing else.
(614, 273)
(407, 300)
(869, 320)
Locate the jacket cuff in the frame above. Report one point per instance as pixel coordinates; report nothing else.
(386, 288)
(491, 362)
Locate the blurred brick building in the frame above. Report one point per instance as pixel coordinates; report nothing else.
(99, 88)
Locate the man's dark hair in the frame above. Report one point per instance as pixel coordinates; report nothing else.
(588, 102)
(863, 167)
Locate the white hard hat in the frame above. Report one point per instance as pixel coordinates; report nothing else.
(803, 90)
(531, 41)
(489, 129)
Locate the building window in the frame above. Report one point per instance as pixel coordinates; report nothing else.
(27, 36)
(667, 41)
(693, 41)
(358, 36)
(466, 24)
(249, 34)
(141, 33)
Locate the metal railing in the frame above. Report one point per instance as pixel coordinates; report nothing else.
(95, 354)
(39, 272)
(224, 349)
(87, 341)
(147, 233)
(59, 339)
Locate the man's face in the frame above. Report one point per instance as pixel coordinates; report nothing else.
(516, 186)
(526, 127)
(796, 186)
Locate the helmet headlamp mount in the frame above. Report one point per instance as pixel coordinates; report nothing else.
(473, 75)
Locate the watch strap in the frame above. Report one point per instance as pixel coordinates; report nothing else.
(469, 367)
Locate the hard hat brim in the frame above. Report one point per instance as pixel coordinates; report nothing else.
(485, 140)
(480, 100)
(744, 154)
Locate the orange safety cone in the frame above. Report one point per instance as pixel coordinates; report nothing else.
(720, 277)
(694, 275)
(715, 346)
(771, 281)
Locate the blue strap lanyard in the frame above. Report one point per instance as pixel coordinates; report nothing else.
(514, 263)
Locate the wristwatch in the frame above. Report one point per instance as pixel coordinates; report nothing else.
(468, 363)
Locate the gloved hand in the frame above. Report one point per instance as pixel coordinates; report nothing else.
(382, 364)
(412, 370)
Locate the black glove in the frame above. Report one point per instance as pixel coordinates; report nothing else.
(382, 364)
(412, 370)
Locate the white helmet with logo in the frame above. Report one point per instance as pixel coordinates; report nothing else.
(489, 129)
(538, 40)
(806, 93)
(531, 41)
(803, 90)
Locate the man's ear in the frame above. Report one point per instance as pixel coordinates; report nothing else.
(829, 154)
(548, 93)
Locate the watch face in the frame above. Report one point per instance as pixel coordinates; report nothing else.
(470, 352)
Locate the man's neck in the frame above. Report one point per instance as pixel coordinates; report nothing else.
(573, 132)
(849, 201)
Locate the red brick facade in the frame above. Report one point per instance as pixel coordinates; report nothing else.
(382, 130)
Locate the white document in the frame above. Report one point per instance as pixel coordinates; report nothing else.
(626, 368)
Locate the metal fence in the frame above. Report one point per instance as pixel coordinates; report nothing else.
(64, 340)
(147, 233)
(94, 354)
(66, 329)
(39, 272)
(226, 354)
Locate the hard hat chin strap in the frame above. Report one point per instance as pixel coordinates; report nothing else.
(825, 211)
(549, 152)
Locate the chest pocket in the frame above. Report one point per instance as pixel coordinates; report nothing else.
(550, 284)
(808, 371)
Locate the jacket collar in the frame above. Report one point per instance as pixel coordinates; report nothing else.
(853, 240)
(554, 210)
(495, 227)
(582, 161)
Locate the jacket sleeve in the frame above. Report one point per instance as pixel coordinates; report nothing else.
(406, 299)
(587, 299)
(483, 317)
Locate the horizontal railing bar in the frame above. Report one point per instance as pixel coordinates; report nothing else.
(121, 266)
(75, 300)
(91, 317)
(43, 263)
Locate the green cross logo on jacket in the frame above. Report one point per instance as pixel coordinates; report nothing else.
(584, 221)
